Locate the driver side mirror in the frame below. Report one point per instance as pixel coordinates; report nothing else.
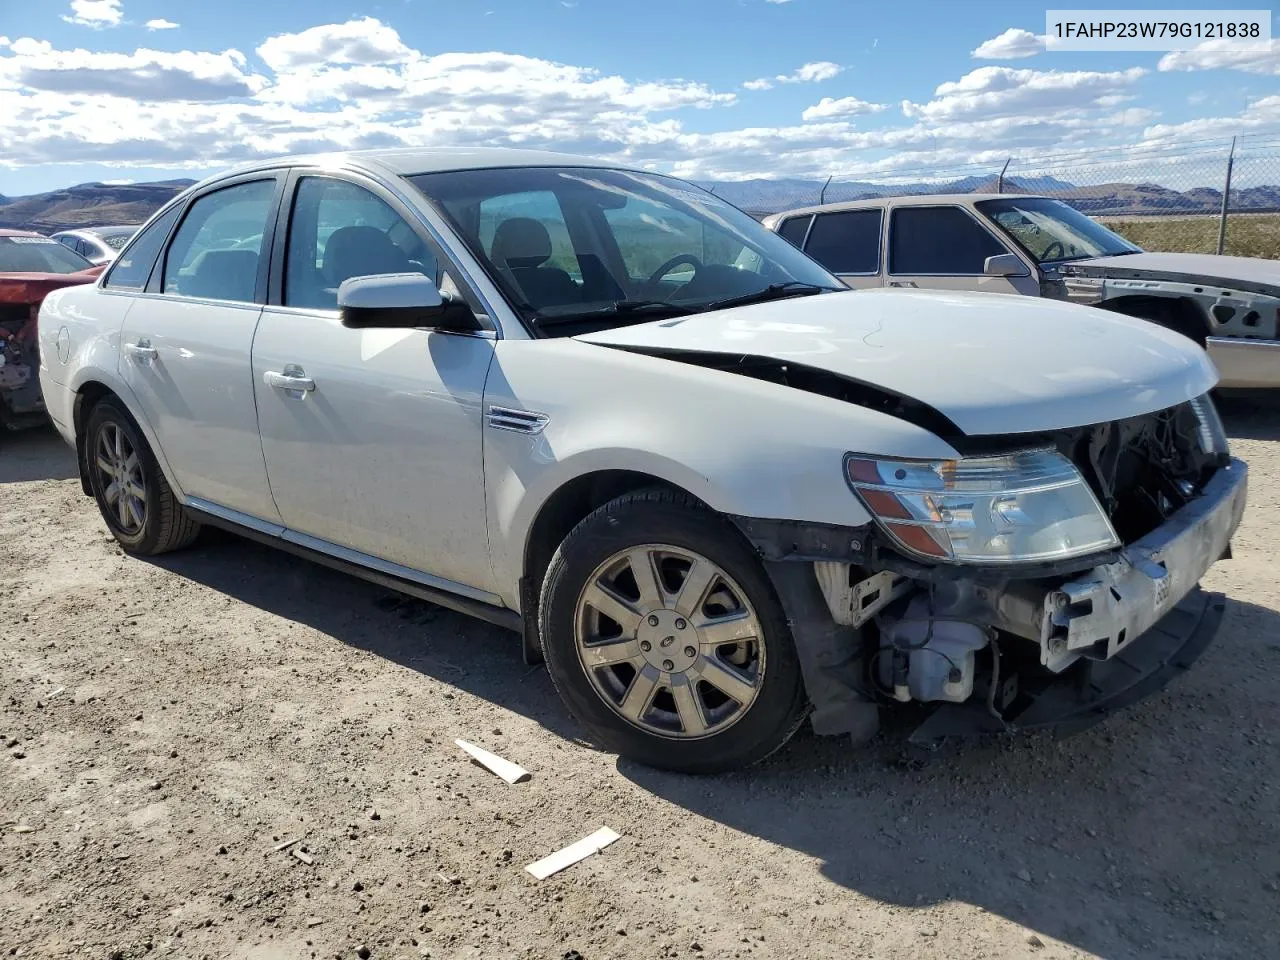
(397, 300)
(1004, 265)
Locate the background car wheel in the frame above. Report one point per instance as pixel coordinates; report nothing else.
(135, 499)
(665, 639)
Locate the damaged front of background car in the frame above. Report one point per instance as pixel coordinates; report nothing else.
(31, 266)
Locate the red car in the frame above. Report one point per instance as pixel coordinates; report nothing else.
(30, 267)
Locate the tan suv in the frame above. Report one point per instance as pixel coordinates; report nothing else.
(1040, 247)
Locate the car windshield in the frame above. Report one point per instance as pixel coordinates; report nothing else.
(587, 249)
(1051, 231)
(38, 255)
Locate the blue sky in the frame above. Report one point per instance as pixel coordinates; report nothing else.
(723, 89)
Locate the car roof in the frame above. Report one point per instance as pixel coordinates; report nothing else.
(19, 233)
(914, 200)
(410, 161)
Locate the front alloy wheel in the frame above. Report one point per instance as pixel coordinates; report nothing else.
(670, 641)
(664, 636)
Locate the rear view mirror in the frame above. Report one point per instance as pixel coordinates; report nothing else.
(1004, 265)
(402, 300)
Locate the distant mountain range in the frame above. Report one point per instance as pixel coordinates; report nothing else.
(99, 204)
(87, 205)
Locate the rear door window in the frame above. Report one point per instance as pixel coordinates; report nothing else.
(217, 252)
(943, 241)
(846, 242)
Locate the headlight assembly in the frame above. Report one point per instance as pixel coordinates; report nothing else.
(1030, 505)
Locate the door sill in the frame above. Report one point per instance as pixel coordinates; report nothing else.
(424, 586)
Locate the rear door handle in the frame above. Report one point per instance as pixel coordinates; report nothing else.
(142, 351)
(291, 379)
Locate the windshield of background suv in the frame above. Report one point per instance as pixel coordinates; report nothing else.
(584, 248)
(1051, 231)
(39, 255)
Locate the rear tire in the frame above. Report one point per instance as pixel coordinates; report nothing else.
(133, 496)
(698, 680)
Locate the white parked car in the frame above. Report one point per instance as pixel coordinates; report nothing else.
(608, 410)
(98, 245)
(1040, 247)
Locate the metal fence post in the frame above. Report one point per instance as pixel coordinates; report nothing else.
(1000, 179)
(822, 194)
(1226, 199)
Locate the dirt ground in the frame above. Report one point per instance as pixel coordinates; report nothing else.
(167, 724)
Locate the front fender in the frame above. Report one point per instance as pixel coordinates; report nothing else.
(743, 446)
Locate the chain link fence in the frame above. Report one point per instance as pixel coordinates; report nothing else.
(1162, 197)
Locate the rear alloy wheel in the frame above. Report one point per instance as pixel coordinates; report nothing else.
(133, 496)
(664, 637)
(124, 489)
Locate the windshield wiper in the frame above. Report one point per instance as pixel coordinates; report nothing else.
(774, 291)
(616, 308)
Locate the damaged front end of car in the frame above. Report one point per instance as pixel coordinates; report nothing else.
(1039, 581)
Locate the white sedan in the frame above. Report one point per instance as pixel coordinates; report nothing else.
(608, 410)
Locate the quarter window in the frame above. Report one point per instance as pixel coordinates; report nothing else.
(794, 229)
(939, 240)
(133, 266)
(846, 242)
(340, 230)
(217, 250)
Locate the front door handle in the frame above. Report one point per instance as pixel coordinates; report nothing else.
(142, 351)
(291, 379)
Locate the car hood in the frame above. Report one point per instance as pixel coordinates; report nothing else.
(1251, 272)
(990, 363)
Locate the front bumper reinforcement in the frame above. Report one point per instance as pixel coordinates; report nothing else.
(1089, 690)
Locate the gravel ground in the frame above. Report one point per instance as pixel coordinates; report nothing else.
(166, 724)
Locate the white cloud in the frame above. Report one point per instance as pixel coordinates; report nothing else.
(366, 41)
(161, 24)
(145, 75)
(1261, 58)
(827, 108)
(95, 13)
(814, 72)
(1013, 44)
(358, 84)
(1005, 91)
(777, 1)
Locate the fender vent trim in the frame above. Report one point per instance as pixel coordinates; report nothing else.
(527, 422)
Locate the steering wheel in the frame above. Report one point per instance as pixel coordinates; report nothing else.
(1057, 244)
(671, 264)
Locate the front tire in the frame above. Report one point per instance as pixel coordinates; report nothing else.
(666, 640)
(133, 496)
